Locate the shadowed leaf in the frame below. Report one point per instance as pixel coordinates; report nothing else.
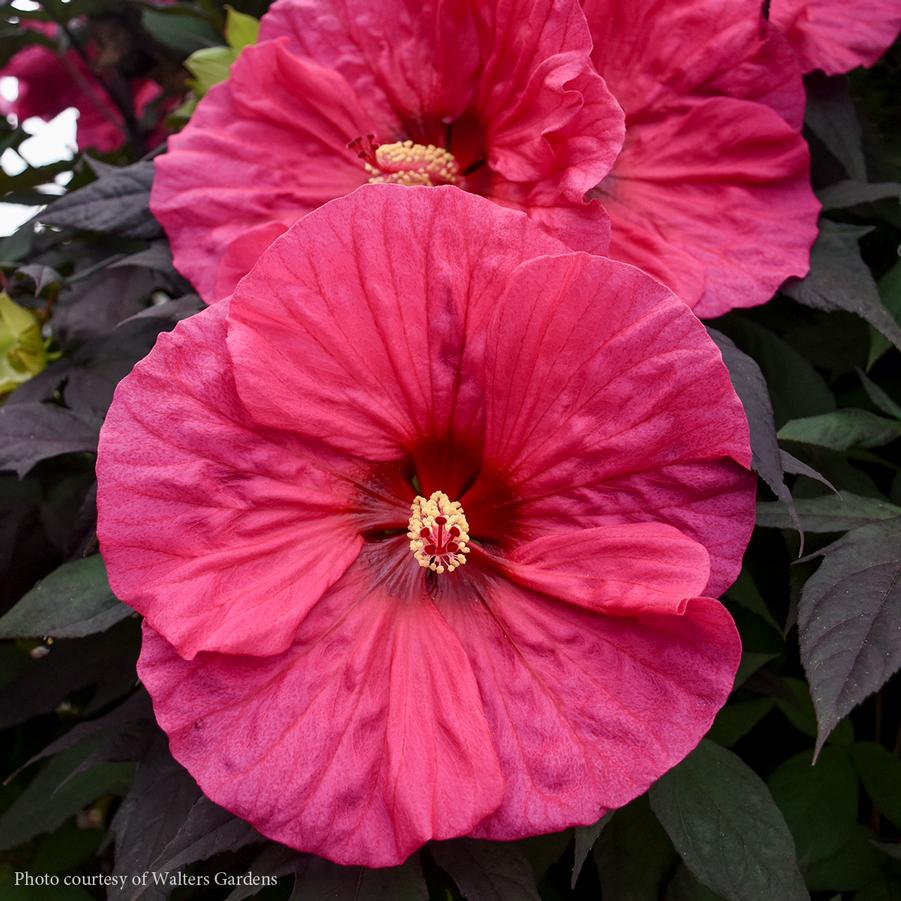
(73, 601)
(848, 621)
(726, 827)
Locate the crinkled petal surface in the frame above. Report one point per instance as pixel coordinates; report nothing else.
(418, 56)
(261, 150)
(711, 193)
(507, 87)
(362, 741)
(586, 710)
(837, 36)
(223, 534)
(421, 269)
(622, 569)
(603, 412)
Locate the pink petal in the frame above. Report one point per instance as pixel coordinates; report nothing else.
(416, 56)
(619, 570)
(265, 147)
(721, 222)
(607, 412)
(548, 116)
(646, 52)
(588, 710)
(838, 35)
(239, 256)
(221, 533)
(364, 740)
(711, 193)
(421, 269)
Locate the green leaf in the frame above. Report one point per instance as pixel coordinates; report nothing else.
(848, 621)
(73, 601)
(819, 802)
(744, 592)
(241, 30)
(881, 400)
(726, 827)
(634, 856)
(842, 430)
(736, 719)
(890, 293)
(880, 772)
(829, 513)
(22, 351)
(180, 28)
(798, 710)
(486, 871)
(209, 66)
(852, 866)
(684, 887)
(52, 796)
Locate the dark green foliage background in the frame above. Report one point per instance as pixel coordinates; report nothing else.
(90, 786)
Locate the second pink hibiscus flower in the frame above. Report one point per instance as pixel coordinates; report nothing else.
(498, 98)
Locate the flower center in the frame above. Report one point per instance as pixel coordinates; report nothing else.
(438, 532)
(406, 163)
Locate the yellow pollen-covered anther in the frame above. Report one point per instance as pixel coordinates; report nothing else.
(406, 163)
(438, 533)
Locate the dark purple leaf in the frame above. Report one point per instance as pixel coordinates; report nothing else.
(150, 815)
(751, 388)
(118, 203)
(30, 433)
(840, 280)
(848, 621)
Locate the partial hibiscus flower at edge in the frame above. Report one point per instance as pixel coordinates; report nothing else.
(497, 98)
(711, 193)
(50, 82)
(290, 483)
(836, 36)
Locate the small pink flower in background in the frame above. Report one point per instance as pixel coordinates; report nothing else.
(421, 521)
(497, 98)
(49, 83)
(711, 193)
(836, 36)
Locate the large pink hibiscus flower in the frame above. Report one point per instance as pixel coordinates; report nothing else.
(837, 35)
(711, 193)
(496, 97)
(410, 380)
